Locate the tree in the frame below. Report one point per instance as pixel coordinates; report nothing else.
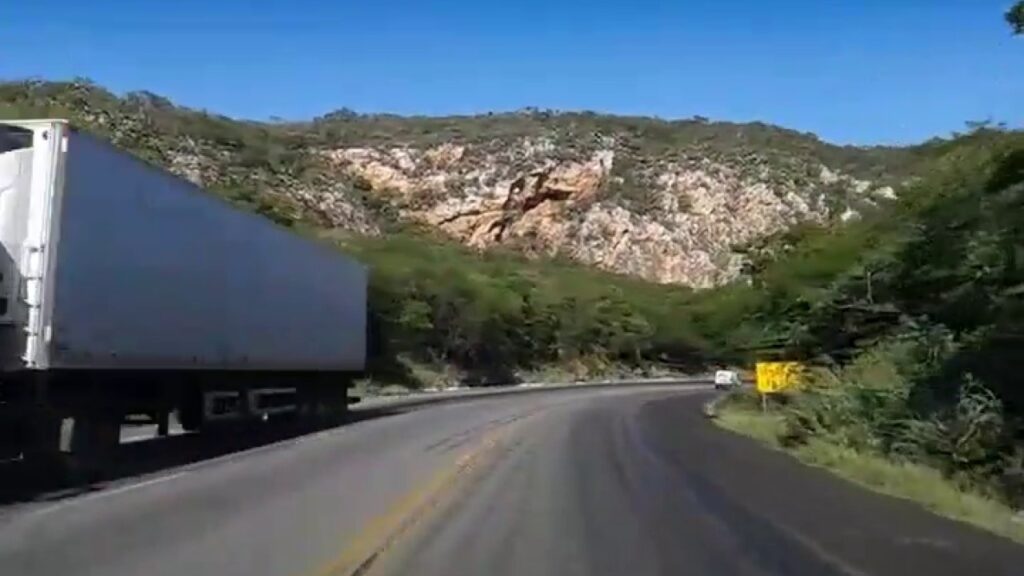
(1015, 17)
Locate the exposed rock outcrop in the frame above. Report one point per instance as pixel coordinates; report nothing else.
(664, 200)
(528, 197)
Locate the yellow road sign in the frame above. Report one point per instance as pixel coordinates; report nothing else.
(778, 376)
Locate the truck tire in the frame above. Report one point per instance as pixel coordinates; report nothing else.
(94, 439)
(190, 411)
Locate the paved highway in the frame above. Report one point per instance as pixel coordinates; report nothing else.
(631, 481)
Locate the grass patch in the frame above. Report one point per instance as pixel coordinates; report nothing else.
(763, 427)
(921, 484)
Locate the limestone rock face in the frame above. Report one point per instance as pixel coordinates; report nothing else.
(532, 197)
(668, 201)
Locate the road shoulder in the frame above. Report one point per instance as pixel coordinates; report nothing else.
(878, 534)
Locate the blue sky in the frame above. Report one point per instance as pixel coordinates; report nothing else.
(860, 71)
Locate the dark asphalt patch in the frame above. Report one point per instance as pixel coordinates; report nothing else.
(646, 485)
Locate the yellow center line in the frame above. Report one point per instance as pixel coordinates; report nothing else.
(383, 531)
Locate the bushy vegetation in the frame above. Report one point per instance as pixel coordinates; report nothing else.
(252, 164)
(924, 484)
(1015, 18)
(756, 144)
(913, 318)
(495, 314)
(153, 126)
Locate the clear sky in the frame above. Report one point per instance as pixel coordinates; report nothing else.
(861, 71)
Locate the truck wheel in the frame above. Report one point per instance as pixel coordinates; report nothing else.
(13, 435)
(40, 441)
(94, 439)
(190, 412)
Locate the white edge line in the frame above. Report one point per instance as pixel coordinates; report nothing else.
(109, 492)
(137, 485)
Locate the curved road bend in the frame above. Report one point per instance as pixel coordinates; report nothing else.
(600, 482)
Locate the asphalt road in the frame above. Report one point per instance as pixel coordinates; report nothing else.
(645, 485)
(630, 481)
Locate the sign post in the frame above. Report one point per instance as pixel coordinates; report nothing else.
(773, 377)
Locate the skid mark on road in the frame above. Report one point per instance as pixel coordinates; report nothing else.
(465, 437)
(384, 531)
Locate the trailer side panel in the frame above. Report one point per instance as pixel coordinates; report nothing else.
(153, 273)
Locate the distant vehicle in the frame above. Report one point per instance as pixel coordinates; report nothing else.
(725, 379)
(126, 290)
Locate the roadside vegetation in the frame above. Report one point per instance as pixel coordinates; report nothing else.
(923, 484)
(912, 321)
(497, 317)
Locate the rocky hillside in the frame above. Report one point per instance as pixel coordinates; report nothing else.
(665, 201)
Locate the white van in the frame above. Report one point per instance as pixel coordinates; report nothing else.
(726, 379)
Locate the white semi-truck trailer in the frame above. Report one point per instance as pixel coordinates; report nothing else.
(125, 290)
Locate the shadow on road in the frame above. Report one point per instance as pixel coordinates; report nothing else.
(20, 483)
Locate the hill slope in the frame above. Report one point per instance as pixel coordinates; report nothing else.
(665, 201)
